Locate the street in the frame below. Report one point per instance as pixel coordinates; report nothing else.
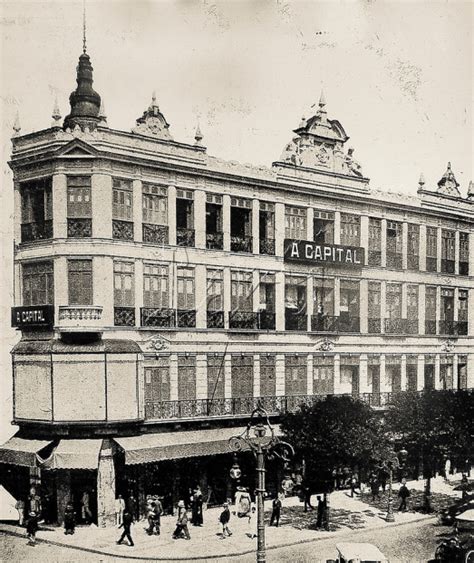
(411, 542)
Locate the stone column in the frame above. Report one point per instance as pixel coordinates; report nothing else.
(59, 192)
(437, 372)
(280, 229)
(63, 493)
(226, 221)
(227, 296)
(403, 372)
(17, 212)
(200, 218)
(383, 304)
(280, 301)
(172, 215)
(404, 245)
(421, 308)
(364, 305)
(383, 243)
(337, 227)
(106, 487)
(309, 223)
(101, 198)
(309, 371)
(438, 249)
(137, 210)
(337, 296)
(255, 226)
(103, 276)
(337, 374)
(364, 236)
(201, 376)
(456, 252)
(280, 375)
(200, 280)
(422, 248)
(455, 371)
(383, 376)
(470, 369)
(363, 374)
(256, 375)
(138, 290)
(420, 382)
(309, 300)
(173, 377)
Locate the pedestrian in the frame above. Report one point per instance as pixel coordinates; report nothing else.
(197, 502)
(464, 486)
(321, 507)
(69, 520)
(119, 510)
(20, 506)
(154, 517)
(224, 520)
(354, 484)
(85, 508)
(403, 493)
(34, 502)
(32, 527)
(276, 511)
(307, 498)
(374, 487)
(127, 521)
(244, 503)
(383, 476)
(132, 507)
(181, 523)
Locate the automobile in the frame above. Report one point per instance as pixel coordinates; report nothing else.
(458, 548)
(350, 552)
(447, 515)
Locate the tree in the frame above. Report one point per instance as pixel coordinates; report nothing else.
(335, 432)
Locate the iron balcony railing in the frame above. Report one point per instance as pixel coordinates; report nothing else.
(167, 318)
(124, 316)
(295, 320)
(184, 237)
(215, 319)
(122, 230)
(243, 406)
(36, 231)
(241, 244)
(157, 234)
(215, 241)
(267, 246)
(79, 228)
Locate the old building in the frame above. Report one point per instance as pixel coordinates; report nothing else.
(161, 291)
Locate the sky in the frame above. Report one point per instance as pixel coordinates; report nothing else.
(397, 75)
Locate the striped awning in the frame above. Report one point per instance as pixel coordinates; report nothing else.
(149, 448)
(75, 454)
(22, 451)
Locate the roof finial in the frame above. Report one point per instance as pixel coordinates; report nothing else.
(322, 99)
(102, 114)
(16, 125)
(84, 46)
(56, 115)
(198, 135)
(421, 181)
(470, 190)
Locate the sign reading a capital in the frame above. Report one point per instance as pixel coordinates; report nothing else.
(320, 254)
(38, 315)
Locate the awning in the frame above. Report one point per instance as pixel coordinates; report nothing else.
(21, 451)
(149, 448)
(75, 454)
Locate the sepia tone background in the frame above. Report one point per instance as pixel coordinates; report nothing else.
(397, 74)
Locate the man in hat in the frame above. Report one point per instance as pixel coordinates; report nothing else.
(126, 524)
(182, 522)
(224, 520)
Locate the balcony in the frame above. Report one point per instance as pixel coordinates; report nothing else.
(36, 231)
(431, 264)
(413, 262)
(157, 317)
(324, 323)
(124, 316)
(447, 328)
(348, 324)
(266, 320)
(375, 258)
(267, 246)
(430, 327)
(374, 326)
(184, 237)
(185, 318)
(122, 230)
(79, 228)
(295, 320)
(447, 266)
(394, 260)
(241, 244)
(79, 317)
(215, 319)
(247, 320)
(157, 234)
(214, 241)
(395, 326)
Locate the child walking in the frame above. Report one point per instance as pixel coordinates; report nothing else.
(224, 520)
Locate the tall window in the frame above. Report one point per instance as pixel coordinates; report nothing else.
(36, 210)
(462, 312)
(124, 292)
(184, 218)
(431, 249)
(241, 291)
(375, 242)
(448, 251)
(296, 375)
(80, 282)
(240, 224)
(447, 311)
(157, 387)
(186, 378)
(412, 309)
(394, 308)
(349, 306)
(349, 373)
(215, 298)
(430, 310)
(267, 301)
(38, 283)
(464, 254)
(412, 372)
(215, 377)
(394, 245)
(350, 229)
(186, 293)
(214, 231)
(155, 286)
(393, 372)
(446, 372)
(267, 375)
(374, 293)
(79, 206)
(122, 209)
(295, 222)
(267, 228)
(323, 305)
(295, 303)
(242, 376)
(155, 213)
(413, 249)
(323, 227)
(323, 375)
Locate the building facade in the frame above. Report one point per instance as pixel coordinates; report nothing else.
(161, 292)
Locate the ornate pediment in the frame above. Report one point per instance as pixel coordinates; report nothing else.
(77, 148)
(155, 344)
(448, 184)
(153, 123)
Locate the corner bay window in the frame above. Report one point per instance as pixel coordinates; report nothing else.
(375, 242)
(36, 210)
(155, 214)
(79, 207)
(122, 209)
(184, 218)
(38, 283)
(240, 225)
(295, 303)
(350, 229)
(124, 294)
(80, 282)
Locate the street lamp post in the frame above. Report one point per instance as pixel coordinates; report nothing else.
(393, 463)
(263, 444)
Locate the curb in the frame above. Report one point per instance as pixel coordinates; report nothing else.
(203, 557)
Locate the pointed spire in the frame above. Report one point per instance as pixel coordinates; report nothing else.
(84, 43)
(198, 135)
(102, 114)
(470, 190)
(56, 115)
(322, 100)
(16, 125)
(448, 184)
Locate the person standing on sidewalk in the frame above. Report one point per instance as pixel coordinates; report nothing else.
(182, 522)
(69, 520)
(354, 484)
(85, 509)
(20, 506)
(32, 528)
(307, 498)
(224, 520)
(126, 524)
(132, 507)
(276, 511)
(119, 510)
(403, 493)
(321, 508)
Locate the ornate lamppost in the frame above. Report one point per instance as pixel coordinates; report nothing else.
(395, 461)
(260, 438)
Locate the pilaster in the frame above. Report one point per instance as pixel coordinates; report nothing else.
(172, 215)
(363, 375)
(423, 248)
(137, 210)
(200, 280)
(337, 374)
(227, 295)
(337, 296)
(255, 226)
(201, 376)
(384, 387)
(59, 192)
(421, 308)
(227, 376)
(101, 199)
(364, 236)
(309, 300)
(200, 218)
(456, 252)
(173, 377)
(310, 374)
(17, 212)
(309, 223)
(226, 221)
(103, 275)
(420, 384)
(138, 266)
(383, 243)
(280, 301)
(106, 487)
(437, 371)
(280, 374)
(256, 375)
(455, 371)
(403, 372)
(337, 227)
(364, 305)
(383, 303)
(404, 245)
(438, 249)
(280, 229)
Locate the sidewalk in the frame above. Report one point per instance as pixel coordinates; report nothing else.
(348, 514)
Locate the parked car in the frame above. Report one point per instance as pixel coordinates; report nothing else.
(447, 515)
(349, 552)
